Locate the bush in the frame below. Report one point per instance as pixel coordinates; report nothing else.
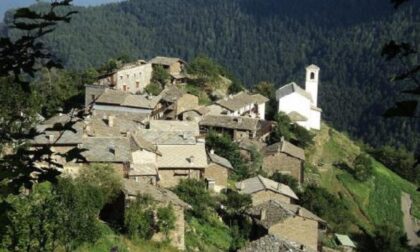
(138, 218)
(160, 76)
(153, 88)
(194, 192)
(291, 132)
(328, 207)
(287, 180)
(166, 219)
(363, 167)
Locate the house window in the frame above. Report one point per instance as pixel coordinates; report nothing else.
(93, 98)
(128, 76)
(312, 76)
(137, 84)
(121, 77)
(124, 87)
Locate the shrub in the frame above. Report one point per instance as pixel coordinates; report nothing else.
(153, 88)
(166, 219)
(287, 180)
(363, 167)
(160, 76)
(138, 218)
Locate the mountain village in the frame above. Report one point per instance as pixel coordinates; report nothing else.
(156, 141)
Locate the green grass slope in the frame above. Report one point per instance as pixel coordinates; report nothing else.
(374, 202)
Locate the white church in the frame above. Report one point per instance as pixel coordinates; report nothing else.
(301, 104)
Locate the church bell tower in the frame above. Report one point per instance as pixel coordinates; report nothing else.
(312, 81)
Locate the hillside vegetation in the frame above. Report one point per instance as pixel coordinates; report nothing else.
(374, 202)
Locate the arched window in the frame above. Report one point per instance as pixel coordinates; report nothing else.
(312, 76)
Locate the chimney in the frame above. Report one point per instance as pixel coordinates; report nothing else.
(212, 151)
(111, 121)
(184, 136)
(51, 138)
(263, 214)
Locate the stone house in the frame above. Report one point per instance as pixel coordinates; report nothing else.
(217, 172)
(246, 146)
(50, 134)
(263, 189)
(131, 77)
(272, 243)
(178, 162)
(174, 66)
(288, 221)
(194, 114)
(173, 103)
(244, 104)
(285, 158)
(237, 127)
(163, 197)
(119, 101)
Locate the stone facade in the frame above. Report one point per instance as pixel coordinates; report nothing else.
(266, 195)
(299, 229)
(285, 164)
(186, 102)
(171, 177)
(220, 175)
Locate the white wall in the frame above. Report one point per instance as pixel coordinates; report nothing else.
(298, 103)
(141, 74)
(315, 119)
(261, 111)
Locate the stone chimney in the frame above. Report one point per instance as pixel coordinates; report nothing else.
(51, 138)
(191, 159)
(111, 149)
(111, 121)
(263, 214)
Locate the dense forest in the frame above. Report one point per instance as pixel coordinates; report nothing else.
(267, 40)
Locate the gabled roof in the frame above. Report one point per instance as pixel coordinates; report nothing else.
(139, 143)
(240, 100)
(97, 124)
(259, 183)
(277, 212)
(220, 160)
(166, 61)
(230, 122)
(133, 188)
(272, 243)
(158, 137)
(182, 156)
(292, 88)
(171, 94)
(121, 98)
(175, 126)
(312, 67)
(106, 149)
(285, 147)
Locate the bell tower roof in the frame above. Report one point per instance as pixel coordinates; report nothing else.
(313, 67)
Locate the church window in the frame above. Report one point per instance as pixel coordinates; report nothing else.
(312, 76)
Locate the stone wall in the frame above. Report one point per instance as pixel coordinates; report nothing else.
(267, 195)
(283, 163)
(298, 229)
(186, 102)
(176, 68)
(218, 173)
(172, 177)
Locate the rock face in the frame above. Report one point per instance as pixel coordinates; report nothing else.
(271, 243)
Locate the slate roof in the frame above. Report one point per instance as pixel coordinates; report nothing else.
(118, 97)
(133, 188)
(277, 212)
(53, 126)
(97, 125)
(285, 147)
(149, 169)
(292, 88)
(272, 243)
(71, 136)
(220, 160)
(168, 137)
(106, 149)
(171, 94)
(312, 67)
(185, 156)
(230, 122)
(259, 183)
(138, 142)
(175, 126)
(241, 100)
(166, 61)
(344, 240)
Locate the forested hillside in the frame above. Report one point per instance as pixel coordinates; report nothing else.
(267, 40)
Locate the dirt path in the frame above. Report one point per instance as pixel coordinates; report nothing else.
(410, 225)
